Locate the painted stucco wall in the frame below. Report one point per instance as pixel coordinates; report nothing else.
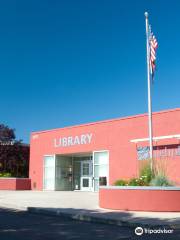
(113, 135)
(155, 199)
(15, 184)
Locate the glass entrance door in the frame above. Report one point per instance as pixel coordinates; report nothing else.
(64, 173)
(86, 175)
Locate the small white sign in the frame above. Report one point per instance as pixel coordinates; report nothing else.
(35, 136)
(73, 140)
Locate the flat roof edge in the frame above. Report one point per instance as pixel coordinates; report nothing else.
(106, 121)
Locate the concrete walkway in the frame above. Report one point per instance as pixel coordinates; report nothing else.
(83, 206)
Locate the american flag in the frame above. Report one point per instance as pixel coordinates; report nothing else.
(153, 44)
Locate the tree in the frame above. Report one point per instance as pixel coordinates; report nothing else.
(14, 155)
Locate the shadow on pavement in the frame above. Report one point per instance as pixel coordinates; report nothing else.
(112, 217)
(52, 224)
(22, 225)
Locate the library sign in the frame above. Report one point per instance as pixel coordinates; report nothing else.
(73, 140)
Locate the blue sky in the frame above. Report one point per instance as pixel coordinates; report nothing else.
(71, 62)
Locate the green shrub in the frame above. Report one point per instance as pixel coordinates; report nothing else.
(148, 176)
(5, 174)
(160, 180)
(146, 173)
(121, 182)
(131, 182)
(137, 182)
(134, 182)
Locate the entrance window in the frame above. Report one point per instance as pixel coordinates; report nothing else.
(64, 173)
(79, 172)
(101, 167)
(85, 169)
(49, 172)
(85, 182)
(73, 172)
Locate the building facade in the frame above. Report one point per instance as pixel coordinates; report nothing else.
(79, 158)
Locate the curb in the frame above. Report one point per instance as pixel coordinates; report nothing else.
(14, 207)
(90, 217)
(80, 217)
(98, 219)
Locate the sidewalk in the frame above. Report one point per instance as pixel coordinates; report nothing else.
(83, 206)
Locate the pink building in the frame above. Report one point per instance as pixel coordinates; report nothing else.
(76, 158)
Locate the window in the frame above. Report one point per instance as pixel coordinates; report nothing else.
(143, 153)
(101, 167)
(49, 172)
(159, 151)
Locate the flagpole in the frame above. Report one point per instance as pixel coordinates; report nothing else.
(149, 93)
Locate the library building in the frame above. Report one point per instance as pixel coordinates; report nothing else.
(84, 157)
